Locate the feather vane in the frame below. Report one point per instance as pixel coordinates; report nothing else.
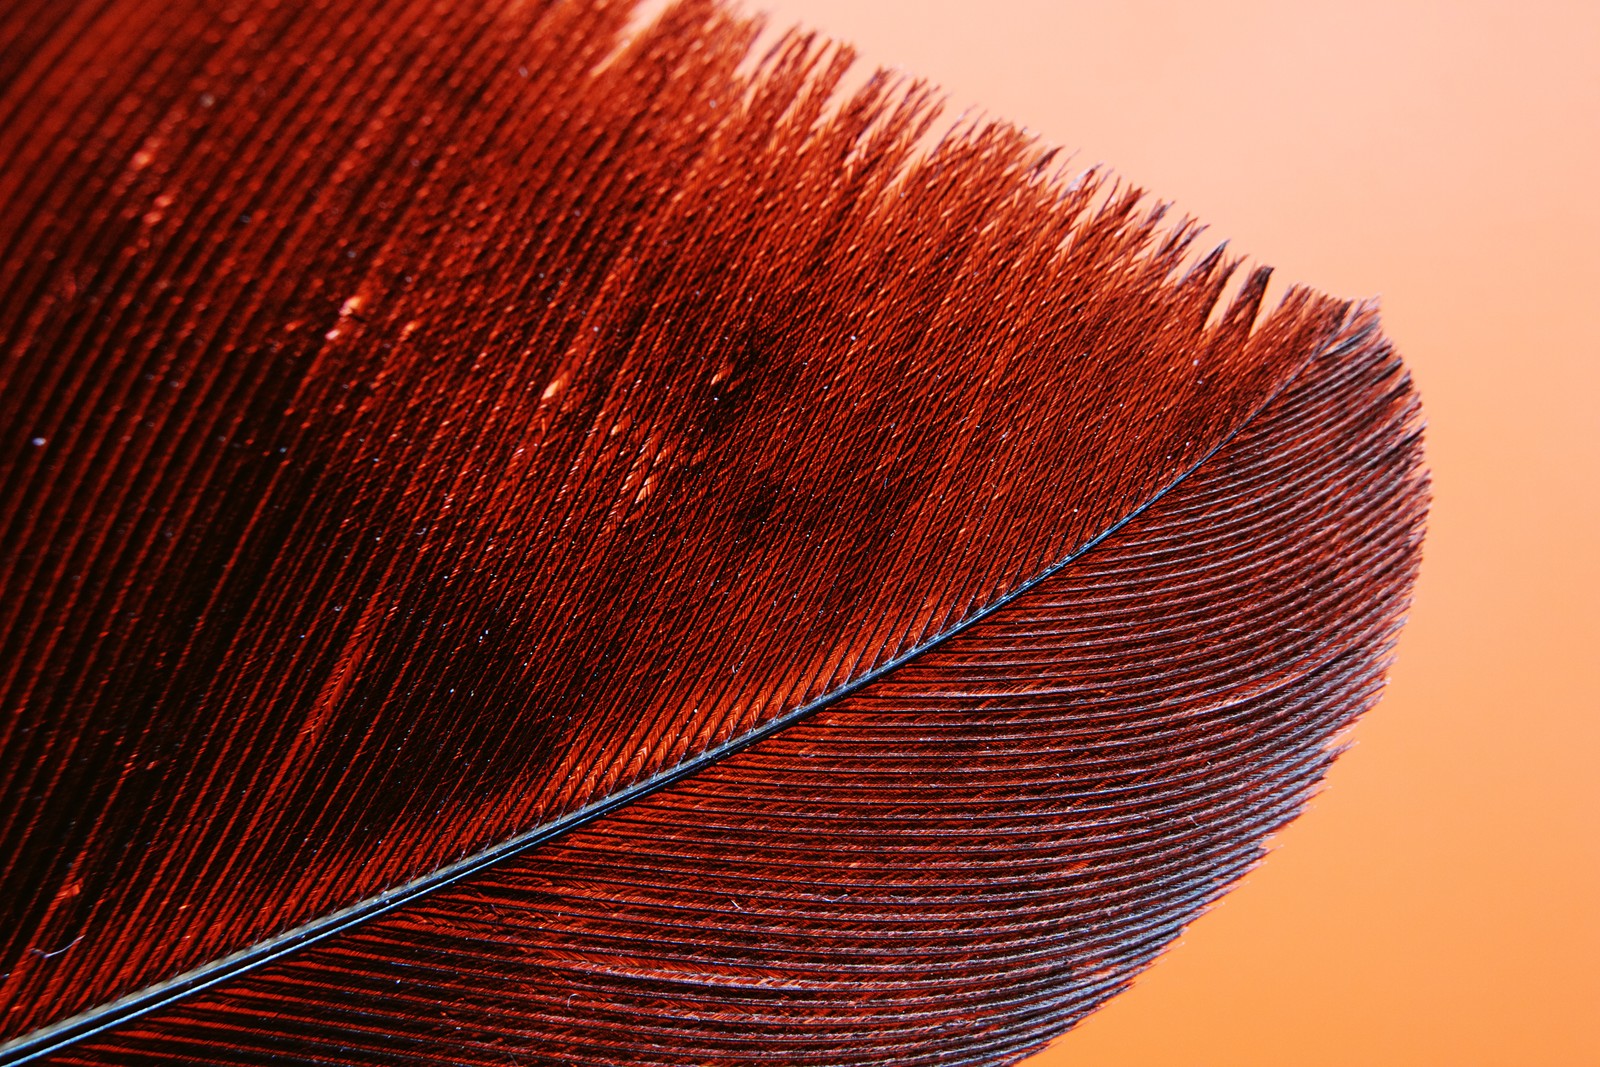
(525, 538)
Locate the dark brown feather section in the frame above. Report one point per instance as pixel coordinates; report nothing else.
(426, 424)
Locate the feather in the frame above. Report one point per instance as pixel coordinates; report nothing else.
(532, 539)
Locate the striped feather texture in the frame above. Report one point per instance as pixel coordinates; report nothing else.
(529, 541)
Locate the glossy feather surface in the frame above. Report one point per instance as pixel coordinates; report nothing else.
(430, 427)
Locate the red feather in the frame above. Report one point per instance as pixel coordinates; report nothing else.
(523, 543)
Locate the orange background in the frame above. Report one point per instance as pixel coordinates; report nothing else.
(1440, 903)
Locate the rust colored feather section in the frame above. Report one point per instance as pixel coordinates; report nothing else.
(427, 428)
(957, 861)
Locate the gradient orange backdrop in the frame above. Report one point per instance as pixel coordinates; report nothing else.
(1440, 903)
